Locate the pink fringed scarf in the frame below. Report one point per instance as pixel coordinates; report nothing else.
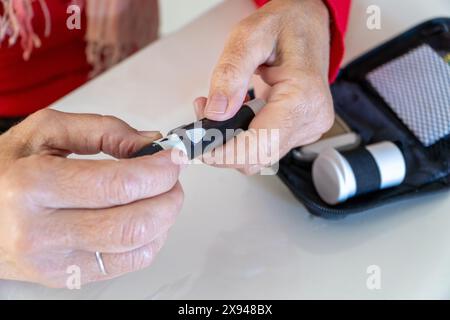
(115, 28)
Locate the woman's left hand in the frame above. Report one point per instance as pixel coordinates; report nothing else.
(287, 43)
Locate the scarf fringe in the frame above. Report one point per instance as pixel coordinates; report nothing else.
(115, 28)
(118, 28)
(16, 22)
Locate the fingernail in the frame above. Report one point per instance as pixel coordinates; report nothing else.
(154, 135)
(217, 104)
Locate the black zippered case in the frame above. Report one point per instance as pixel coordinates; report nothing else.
(366, 112)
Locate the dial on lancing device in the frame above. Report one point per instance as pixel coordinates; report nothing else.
(204, 135)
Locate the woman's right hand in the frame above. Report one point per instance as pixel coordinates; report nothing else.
(57, 212)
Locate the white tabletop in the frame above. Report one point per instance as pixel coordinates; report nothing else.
(241, 237)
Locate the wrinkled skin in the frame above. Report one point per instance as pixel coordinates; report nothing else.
(286, 43)
(56, 212)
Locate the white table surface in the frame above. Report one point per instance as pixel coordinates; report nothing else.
(241, 237)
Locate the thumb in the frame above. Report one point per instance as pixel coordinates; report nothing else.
(230, 80)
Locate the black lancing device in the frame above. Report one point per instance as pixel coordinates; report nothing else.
(205, 135)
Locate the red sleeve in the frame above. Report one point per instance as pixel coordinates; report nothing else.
(339, 13)
(55, 69)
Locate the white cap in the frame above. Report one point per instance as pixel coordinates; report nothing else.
(333, 177)
(390, 161)
(335, 181)
(172, 141)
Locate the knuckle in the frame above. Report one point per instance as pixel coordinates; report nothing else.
(134, 232)
(111, 126)
(37, 121)
(242, 31)
(244, 25)
(326, 117)
(29, 133)
(112, 131)
(111, 122)
(326, 122)
(109, 119)
(15, 134)
(119, 187)
(258, 22)
(42, 116)
(32, 132)
(227, 70)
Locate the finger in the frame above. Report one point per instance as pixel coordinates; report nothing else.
(55, 183)
(249, 45)
(248, 152)
(122, 263)
(69, 270)
(117, 229)
(53, 132)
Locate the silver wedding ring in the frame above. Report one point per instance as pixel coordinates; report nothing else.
(100, 263)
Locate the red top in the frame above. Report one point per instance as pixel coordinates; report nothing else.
(60, 66)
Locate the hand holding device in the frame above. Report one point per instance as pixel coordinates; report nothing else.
(293, 68)
(58, 212)
(205, 135)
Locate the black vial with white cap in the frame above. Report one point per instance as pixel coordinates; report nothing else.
(339, 176)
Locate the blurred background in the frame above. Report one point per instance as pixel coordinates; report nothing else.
(175, 13)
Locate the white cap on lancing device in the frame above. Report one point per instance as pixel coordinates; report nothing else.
(338, 176)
